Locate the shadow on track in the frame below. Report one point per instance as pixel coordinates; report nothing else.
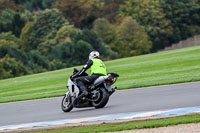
(79, 110)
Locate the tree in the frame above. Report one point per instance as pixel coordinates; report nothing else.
(63, 52)
(82, 50)
(35, 4)
(109, 9)
(14, 61)
(25, 36)
(11, 21)
(104, 30)
(184, 16)
(5, 4)
(57, 64)
(150, 14)
(197, 1)
(35, 57)
(13, 67)
(64, 34)
(47, 42)
(7, 38)
(132, 39)
(13, 53)
(110, 54)
(47, 22)
(90, 37)
(27, 16)
(3, 73)
(81, 13)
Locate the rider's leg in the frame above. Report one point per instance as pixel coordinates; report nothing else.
(81, 81)
(82, 87)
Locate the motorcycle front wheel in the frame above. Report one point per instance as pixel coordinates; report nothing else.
(102, 100)
(66, 104)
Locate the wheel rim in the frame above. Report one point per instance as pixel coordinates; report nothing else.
(66, 101)
(99, 97)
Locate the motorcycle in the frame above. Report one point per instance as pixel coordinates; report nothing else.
(99, 92)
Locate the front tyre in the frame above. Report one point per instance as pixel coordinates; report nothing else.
(102, 100)
(66, 104)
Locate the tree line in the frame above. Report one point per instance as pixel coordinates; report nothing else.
(38, 36)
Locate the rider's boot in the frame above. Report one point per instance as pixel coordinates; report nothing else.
(84, 92)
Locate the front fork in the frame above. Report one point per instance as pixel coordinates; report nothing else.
(72, 97)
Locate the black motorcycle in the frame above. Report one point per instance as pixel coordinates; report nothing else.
(99, 92)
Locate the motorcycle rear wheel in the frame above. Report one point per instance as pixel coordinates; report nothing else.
(103, 99)
(66, 104)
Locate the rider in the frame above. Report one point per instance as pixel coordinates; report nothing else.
(97, 68)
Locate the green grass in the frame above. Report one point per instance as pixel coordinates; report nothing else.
(194, 118)
(176, 66)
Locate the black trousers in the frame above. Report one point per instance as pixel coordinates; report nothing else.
(81, 81)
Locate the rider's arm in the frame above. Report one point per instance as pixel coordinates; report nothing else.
(86, 67)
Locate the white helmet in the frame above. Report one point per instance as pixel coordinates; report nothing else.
(94, 54)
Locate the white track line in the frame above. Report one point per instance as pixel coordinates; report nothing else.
(179, 111)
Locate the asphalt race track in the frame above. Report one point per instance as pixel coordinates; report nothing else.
(123, 101)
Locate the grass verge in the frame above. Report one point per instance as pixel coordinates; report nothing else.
(153, 123)
(168, 67)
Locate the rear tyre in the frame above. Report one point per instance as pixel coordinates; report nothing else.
(66, 104)
(102, 100)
